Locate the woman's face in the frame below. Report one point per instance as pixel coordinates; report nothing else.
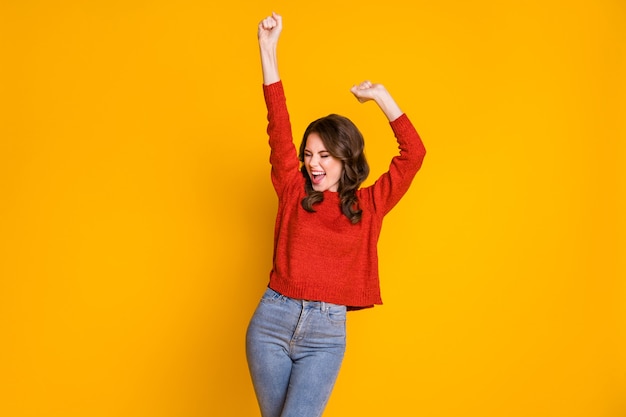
(324, 169)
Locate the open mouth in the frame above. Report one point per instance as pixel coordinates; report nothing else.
(317, 176)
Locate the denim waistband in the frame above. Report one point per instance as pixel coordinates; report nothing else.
(323, 305)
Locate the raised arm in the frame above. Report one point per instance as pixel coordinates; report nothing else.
(391, 186)
(378, 93)
(283, 156)
(268, 34)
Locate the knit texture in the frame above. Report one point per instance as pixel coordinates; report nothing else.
(322, 256)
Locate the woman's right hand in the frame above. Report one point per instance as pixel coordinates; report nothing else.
(269, 30)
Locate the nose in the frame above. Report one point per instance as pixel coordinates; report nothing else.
(314, 161)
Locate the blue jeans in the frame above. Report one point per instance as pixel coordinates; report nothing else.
(294, 350)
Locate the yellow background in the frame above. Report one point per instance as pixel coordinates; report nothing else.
(136, 211)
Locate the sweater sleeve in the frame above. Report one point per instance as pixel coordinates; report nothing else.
(283, 155)
(392, 185)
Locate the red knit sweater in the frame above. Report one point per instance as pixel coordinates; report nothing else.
(322, 256)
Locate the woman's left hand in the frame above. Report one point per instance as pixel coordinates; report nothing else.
(377, 92)
(368, 91)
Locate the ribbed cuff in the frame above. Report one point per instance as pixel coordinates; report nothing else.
(273, 91)
(401, 124)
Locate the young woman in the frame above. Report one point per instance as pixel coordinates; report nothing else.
(325, 238)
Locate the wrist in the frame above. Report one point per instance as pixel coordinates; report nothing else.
(388, 105)
(382, 97)
(269, 64)
(267, 47)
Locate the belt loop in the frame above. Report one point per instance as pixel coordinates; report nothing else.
(323, 306)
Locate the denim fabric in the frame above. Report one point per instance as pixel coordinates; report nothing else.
(294, 350)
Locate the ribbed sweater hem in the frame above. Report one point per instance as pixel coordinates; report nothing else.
(367, 297)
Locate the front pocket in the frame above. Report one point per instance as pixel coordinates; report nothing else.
(336, 315)
(271, 297)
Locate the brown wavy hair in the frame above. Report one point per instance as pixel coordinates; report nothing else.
(343, 140)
